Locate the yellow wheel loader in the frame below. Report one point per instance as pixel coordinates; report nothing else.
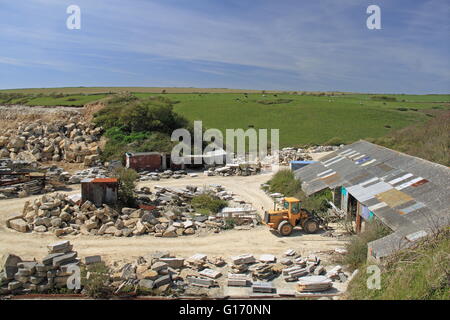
(283, 221)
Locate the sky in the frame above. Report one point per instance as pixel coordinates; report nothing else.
(300, 45)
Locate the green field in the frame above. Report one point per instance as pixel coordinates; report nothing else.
(313, 118)
(306, 119)
(43, 100)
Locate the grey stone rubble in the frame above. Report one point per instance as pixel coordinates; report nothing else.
(171, 216)
(89, 173)
(286, 155)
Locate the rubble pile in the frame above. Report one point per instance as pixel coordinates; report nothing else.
(168, 214)
(21, 277)
(286, 155)
(156, 176)
(159, 270)
(89, 173)
(71, 141)
(234, 169)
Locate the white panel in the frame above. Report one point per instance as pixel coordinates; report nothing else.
(333, 162)
(360, 157)
(407, 184)
(328, 175)
(354, 155)
(350, 153)
(324, 172)
(362, 184)
(345, 152)
(368, 162)
(330, 160)
(378, 206)
(404, 177)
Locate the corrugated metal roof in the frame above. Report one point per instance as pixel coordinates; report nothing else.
(407, 193)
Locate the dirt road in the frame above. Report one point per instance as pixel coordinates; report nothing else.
(227, 243)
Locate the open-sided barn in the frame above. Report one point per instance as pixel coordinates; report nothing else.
(409, 195)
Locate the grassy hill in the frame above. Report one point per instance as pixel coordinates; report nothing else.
(303, 118)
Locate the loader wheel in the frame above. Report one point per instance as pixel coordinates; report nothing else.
(311, 226)
(285, 228)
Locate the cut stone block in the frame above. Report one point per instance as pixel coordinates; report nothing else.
(48, 260)
(175, 263)
(65, 258)
(265, 287)
(243, 259)
(201, 282)
(92, 259)
(267, 258)
(210, 273)
(163, 280)
(157, 266)
(59, 247)
(19, 225)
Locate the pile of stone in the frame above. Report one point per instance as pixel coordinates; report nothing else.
(72, 141)
(89, 173)
(286, 155)
(21, 277)
(170, 215)
(234, 169)
(159, 270)
(156, 176)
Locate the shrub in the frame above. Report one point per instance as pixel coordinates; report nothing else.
(127, 184)
(284, 182)
(230, 223)
(138, 125)
(208, 204)
(357, 247)
(95, 278)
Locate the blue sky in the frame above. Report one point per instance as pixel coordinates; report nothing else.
(249, 44)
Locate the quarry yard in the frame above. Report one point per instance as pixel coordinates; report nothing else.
(231, 242)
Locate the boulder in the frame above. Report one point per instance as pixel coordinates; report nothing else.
(19, 225)
(8, 265)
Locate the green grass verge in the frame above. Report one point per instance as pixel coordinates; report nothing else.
(419, 273)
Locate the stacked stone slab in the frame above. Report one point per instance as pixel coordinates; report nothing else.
(21, 277)
(314, 284)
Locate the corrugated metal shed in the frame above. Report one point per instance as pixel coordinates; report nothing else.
(144, 160)
(99, 191)
(407, 193)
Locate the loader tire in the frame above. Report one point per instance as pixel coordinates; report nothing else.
(285, 228)
(311, 226)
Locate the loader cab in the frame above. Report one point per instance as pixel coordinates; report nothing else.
(292, 205)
